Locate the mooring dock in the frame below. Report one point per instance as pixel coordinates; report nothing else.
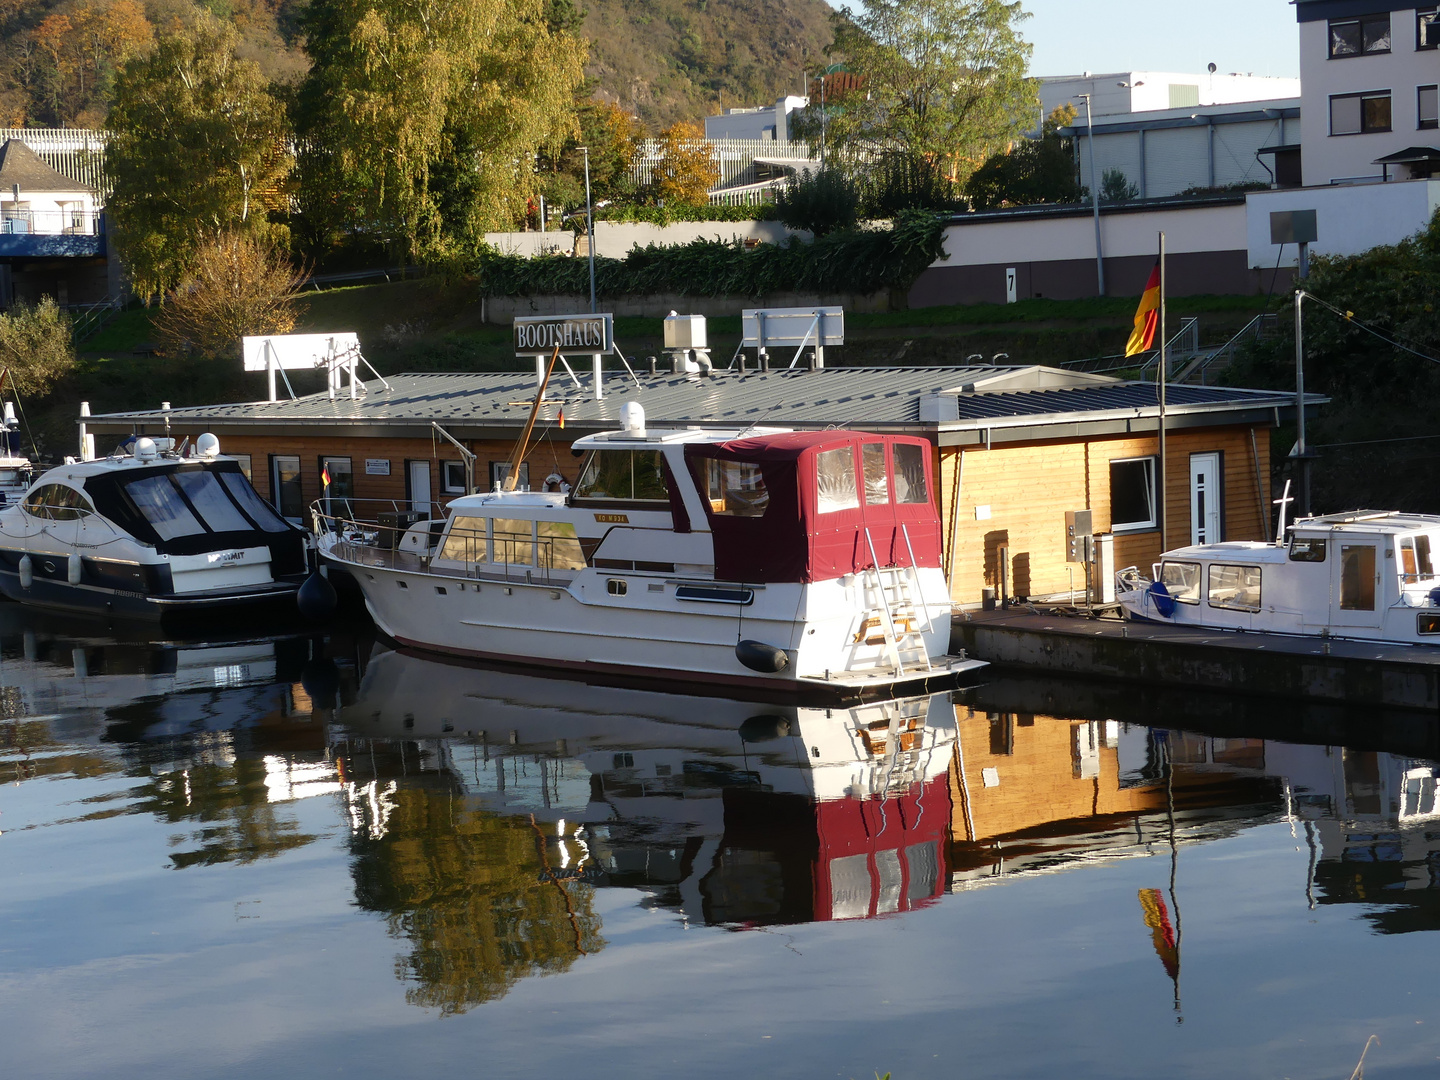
(1273, 665)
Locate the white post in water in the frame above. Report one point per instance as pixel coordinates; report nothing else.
(87, 441)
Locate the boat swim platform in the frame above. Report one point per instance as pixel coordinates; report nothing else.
(1334, 670)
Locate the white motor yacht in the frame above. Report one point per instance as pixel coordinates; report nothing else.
(149, 533)
(790, 561)
(1369, 575)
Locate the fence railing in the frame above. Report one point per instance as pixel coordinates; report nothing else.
(735, 158)
(50, 222)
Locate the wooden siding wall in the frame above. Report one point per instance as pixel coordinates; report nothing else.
(1028, 488)
(545, 458)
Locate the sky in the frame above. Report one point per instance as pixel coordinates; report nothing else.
(1248, 36)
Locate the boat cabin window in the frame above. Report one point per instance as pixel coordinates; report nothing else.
(210, 501)
(249, 500)
(1181, 581)
(1235, 587)
(1307, 549)
(58, 503)
(550, 545)
(910, 473)
(1357, 577)
(835, 475)
(160, 504)
(736, 488)
(623, 476)
(1416, 563)
(1427, 624)
(877, 485)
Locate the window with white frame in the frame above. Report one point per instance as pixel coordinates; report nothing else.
(1360, 114)
(1427, 108)
(1132, 495)
(500, 472)
(452, 474)
(1363, 36)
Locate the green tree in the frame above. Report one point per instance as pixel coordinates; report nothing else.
(823, 202)
(938, 80)
(1115, 187)
(197, 140)
(422, 121)
(36, 345)
(1033, 171)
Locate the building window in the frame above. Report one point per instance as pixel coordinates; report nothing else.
(1427, 111)
(243, 460)
(1357, 114)
(500, 472)
(1132, 495)
(1427, 29)
(452, 474)
(340, 491)
(1359, 37)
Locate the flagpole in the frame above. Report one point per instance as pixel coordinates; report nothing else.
(1164, 473)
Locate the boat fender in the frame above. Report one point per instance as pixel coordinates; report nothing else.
(27, 572)
(74, 569)
(1161, 598)
(764, 727)
(757, 656)
(321, 680)
(316, 598)
(1435, 597)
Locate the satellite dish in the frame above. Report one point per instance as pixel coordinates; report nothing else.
(1210, 68)
(145, 450)
(207, 446)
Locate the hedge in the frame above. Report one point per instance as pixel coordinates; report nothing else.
(858, 261)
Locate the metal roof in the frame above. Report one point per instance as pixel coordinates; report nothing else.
(867, 398)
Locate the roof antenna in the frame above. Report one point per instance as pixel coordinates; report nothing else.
(1283, 502)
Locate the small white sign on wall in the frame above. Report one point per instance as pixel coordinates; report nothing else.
(1010, 293)
(982, 513)
(377, 466)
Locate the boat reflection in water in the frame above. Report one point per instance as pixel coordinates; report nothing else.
(731, 812)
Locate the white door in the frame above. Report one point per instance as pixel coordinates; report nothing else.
(1357, 597)
(1205, 487)
(420, 486)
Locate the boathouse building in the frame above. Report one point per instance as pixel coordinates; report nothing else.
(1016, 448)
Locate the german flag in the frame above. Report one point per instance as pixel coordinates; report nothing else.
(1147, 316)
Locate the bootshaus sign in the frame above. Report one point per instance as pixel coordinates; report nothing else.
(537, 335)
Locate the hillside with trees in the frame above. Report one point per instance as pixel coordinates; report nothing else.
(663, 60)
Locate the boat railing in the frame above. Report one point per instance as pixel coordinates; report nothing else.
(481, 554)
(372, 513)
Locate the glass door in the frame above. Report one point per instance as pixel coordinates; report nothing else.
(1355, 591)
(286, 493)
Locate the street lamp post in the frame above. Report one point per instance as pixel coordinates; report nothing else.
(1094, 198)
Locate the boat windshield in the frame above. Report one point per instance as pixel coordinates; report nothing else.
(624, 476)
(191, 502)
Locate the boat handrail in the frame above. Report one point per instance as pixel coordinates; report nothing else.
(370, 509)
(501, 550)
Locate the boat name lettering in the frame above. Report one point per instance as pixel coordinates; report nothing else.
(225, 556)
(613, 519)
(539, 334)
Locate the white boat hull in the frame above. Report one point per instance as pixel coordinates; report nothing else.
(648, 632)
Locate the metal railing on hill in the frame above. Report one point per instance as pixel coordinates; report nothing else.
(1202, 368)
(1190, 362)
(87, 320)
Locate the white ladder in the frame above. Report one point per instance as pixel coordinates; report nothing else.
(891, 587)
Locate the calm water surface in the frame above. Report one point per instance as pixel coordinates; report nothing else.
(310, 857)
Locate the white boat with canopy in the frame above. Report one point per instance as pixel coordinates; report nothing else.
(1369, 575)
(794, 561)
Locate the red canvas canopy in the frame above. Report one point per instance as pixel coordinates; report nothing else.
(828, 497)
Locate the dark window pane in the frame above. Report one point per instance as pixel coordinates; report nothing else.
(1344, 39)
(1376, 114)
(1132, 493)
(1376, 34)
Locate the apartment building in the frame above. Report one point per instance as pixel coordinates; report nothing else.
(1370, 70)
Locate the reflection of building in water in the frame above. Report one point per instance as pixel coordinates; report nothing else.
(1037, 793)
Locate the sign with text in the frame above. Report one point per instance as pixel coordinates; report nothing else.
(537, 335)
(377, 466)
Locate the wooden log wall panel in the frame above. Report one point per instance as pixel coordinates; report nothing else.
(544, 458)
(1028, 488)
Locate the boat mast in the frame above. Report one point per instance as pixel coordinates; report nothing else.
(520, 447)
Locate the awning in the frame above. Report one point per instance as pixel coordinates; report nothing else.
(1281, 149)
(1409, 156)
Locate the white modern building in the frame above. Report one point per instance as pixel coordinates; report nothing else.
(1120, 92)
(765, 122)
(1370, 71)
(1170, 151)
